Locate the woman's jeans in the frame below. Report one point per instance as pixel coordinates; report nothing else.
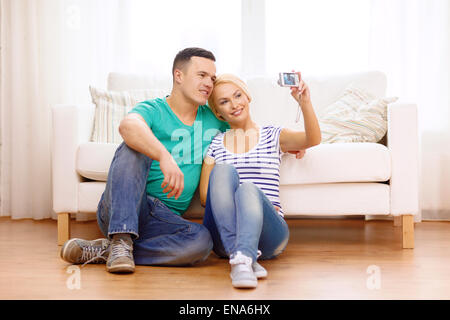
(241, 217)
(160, 237)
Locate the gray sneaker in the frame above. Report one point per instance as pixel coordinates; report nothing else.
(79, 251)
(242, 275)
(120, 258)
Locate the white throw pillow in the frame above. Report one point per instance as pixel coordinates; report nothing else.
(357, 116)
(111, 107)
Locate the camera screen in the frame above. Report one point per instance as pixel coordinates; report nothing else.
(289, 79)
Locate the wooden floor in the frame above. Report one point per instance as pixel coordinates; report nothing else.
(325, 259)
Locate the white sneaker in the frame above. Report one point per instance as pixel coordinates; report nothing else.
(242, 275)
(259, 270)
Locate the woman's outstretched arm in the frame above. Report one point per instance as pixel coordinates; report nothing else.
(291, 140)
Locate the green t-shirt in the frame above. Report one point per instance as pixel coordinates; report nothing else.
(187, 144)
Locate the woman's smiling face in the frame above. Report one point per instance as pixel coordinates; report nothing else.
(231, 103)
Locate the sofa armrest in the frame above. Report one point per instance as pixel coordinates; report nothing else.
(403, 144)
(72, 125)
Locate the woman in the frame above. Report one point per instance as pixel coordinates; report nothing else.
(239, 184)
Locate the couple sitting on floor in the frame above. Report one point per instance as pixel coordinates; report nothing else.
(175, 144)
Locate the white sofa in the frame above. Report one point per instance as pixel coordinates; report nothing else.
(332, 179)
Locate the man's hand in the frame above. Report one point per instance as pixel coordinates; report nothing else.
(173, 176)
(298, 154)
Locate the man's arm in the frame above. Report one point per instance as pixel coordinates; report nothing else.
(138, 136)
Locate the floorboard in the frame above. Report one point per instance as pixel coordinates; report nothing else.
(325, 259)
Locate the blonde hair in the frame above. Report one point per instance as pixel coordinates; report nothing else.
(227, 78)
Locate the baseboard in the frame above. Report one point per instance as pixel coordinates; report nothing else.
(376, 217)
(350, 217)
(436, 215)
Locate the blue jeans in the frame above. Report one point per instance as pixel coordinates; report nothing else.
(160, 237)
(242, 218)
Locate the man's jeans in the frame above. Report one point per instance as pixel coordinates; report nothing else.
(160, 237)
(242, 218)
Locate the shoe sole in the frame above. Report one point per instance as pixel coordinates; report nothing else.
(121, 268)
(261, 274)
(244, 284)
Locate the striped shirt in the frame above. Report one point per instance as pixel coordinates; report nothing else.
(260, 165)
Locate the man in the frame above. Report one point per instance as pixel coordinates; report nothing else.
(153, 176)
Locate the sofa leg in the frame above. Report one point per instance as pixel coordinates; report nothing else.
(63, 227)
(397, 221)
(408, 231)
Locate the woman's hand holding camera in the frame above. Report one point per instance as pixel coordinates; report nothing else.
(301, 93)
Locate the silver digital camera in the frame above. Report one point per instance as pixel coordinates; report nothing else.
(288, 79)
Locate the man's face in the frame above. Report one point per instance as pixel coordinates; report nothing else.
(197, 80)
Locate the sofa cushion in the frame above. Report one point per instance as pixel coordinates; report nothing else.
(326, 163)
(94, 159)
(89, 194)
(339, 162)
(357, 116)
(111, 107)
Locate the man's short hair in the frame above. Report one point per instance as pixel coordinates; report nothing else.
(185, 55)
